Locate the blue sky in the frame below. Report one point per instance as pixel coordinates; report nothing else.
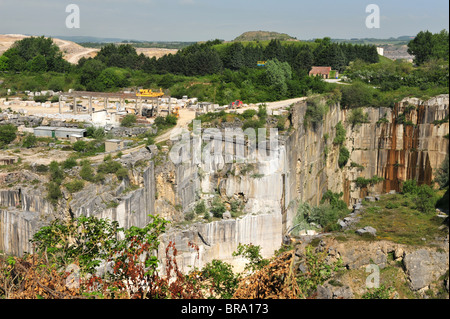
(197, 20)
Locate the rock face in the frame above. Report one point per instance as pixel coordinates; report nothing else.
(306, 167)
(425, 266)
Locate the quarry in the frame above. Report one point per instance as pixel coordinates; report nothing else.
(266, 170)
(267, 192)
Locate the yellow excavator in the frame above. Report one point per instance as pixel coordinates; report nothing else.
(150, 93)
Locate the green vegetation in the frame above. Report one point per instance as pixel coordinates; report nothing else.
(7, 134)
(340, 134)
(427, 46)
(362, 182)
(128, 120)
(75, 186)
(326, 215)
(253, 254)
(29, 141)
(200, 208)
(217, 207)
(379, 293)
(316, 108)
(424, 196)
(398, 218)
(357, 117)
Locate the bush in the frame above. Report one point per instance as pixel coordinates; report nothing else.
(56, 173)
(316, 109)
(53, 192)
(362, 182)
(217, 208)
(189, 216)
(340, 134)
(357, 116)
(409, 187)
(248, 114)
(128, 120)
(109, 166)
(40, 98)
(80, 146)
(334, 200)
(86, 172)
(75, 186)
(426, 199)
(122, 173)
(344, 155)
(442, 174)
(69, 163)
(378, 293)
(224, 281)
(7, 134)
(29, 141)
(391, 205)
(200, 208)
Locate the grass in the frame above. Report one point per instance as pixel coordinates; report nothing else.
(396, 219)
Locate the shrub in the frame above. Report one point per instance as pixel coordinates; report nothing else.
(122, 173)
(340, 134)
(362, 182)
(69, 163)
(344, 155)
(378, 293)
(80, 146)
(442, 174)
(109, 166)
(316, 109)
(357, 116)
(224, 281)
(334, 200)
(253, 254)
(40, 98)
(189, 216)
(200, 208)
(29, 141)
(129, 120)
(391, 205)
(75, 186)
(409, 187)
(86, 172)
(426, 199)
(53, 192)
(56, 173)
(217, 208)
(248, 114)
(7, 134)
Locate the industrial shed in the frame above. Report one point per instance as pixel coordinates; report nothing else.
(59, 132)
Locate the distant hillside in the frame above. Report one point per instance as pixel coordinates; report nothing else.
(264, 36)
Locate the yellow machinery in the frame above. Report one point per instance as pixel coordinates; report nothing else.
(176, 111)
(150, 93)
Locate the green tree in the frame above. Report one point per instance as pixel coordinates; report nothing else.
(37, 64)
(278, 74)
(29, 141)
(7, 134)
(4, 63)
(426, 199)
(442, 174)
(426, 46)
(128, 120)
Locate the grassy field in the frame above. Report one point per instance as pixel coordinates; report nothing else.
(396, 219)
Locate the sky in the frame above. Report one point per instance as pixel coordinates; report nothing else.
(201, 20)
